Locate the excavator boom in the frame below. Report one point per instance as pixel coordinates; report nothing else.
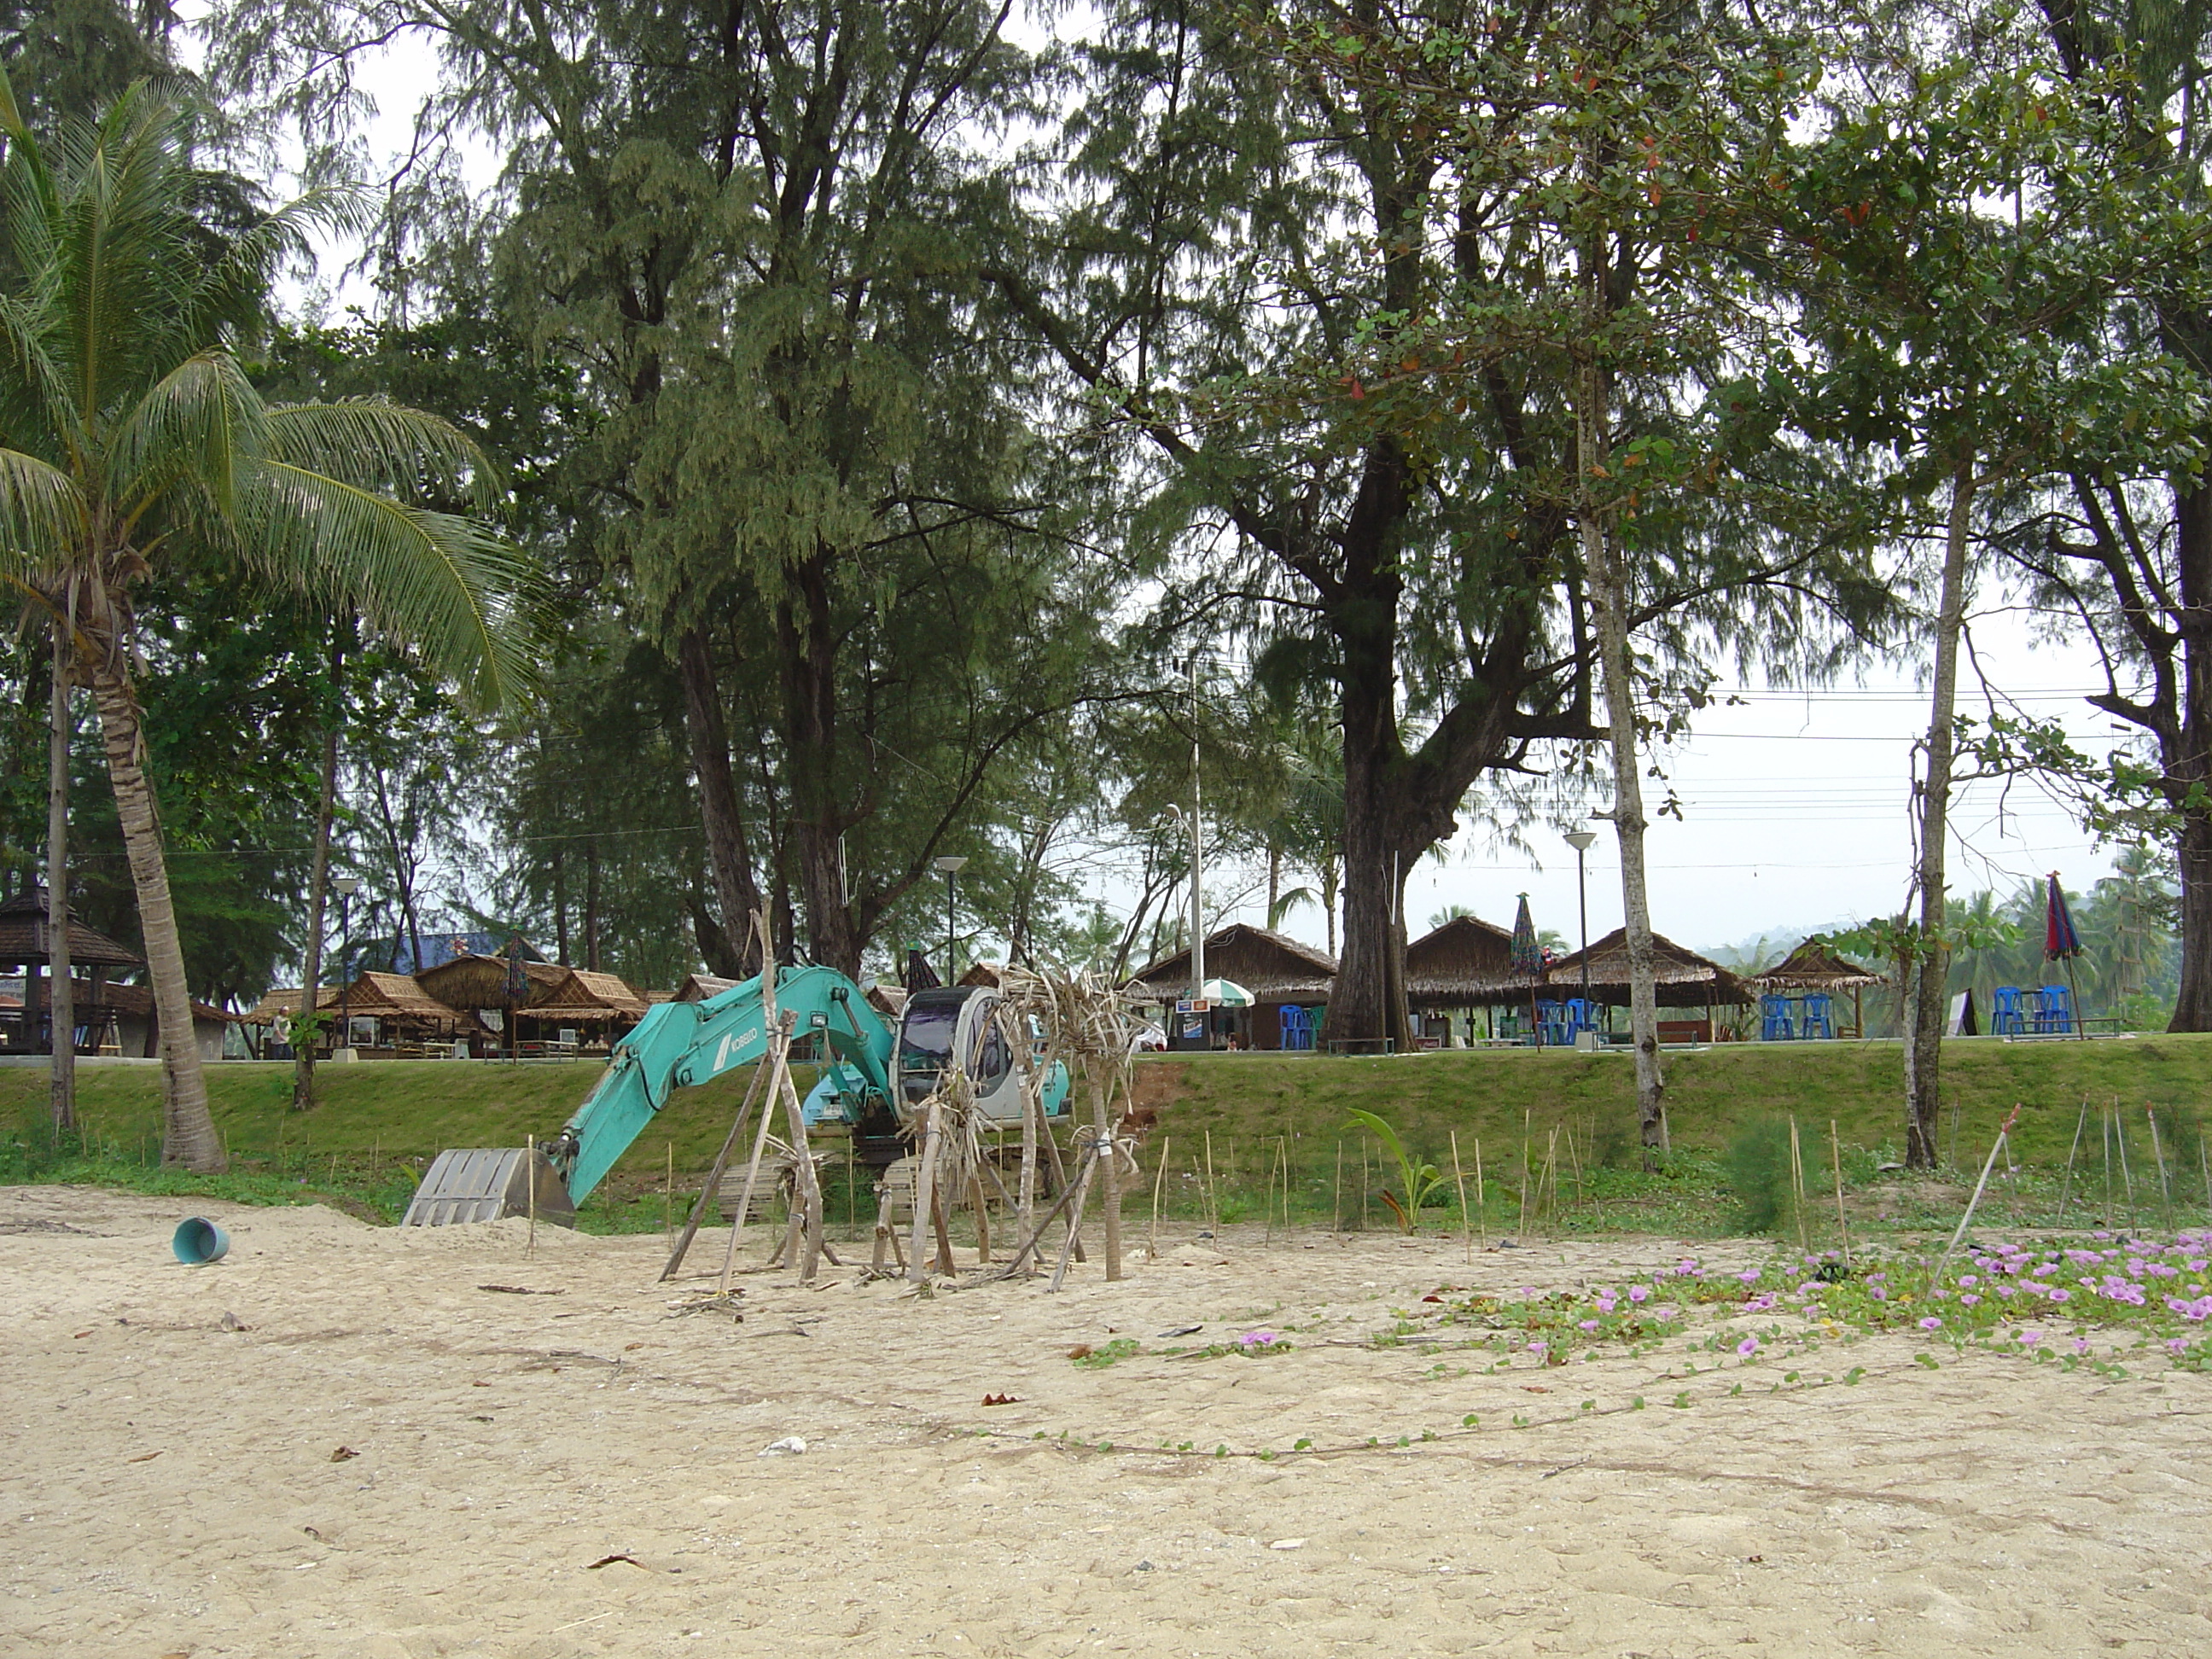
(678, 1045)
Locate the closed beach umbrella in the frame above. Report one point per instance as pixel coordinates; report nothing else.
(2059, 938)
(1528, 957)
(2062, 943)
(1528, 954)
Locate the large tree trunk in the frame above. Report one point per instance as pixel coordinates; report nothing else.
(806, 642)
(736, 893)
(1927, 976)
(311, 979)
(1366, 1001)
(61, 998)
(188, 1134)
(1608, 589)
(2187, 763)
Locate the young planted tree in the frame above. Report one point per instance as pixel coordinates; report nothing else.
(130, 437)
(1966, 343)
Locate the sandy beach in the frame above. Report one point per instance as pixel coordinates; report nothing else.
(338, 1442)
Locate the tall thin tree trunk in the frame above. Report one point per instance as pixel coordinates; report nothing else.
(303, 1057)
(61, 998)
(591, 905)
(561, 906)
(1927, 977)
(736, 893)
(1609, 590)
(188, 1134)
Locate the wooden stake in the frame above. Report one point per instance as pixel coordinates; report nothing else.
(1365, 1181)
(1160, 1178)
(1212, 1204)
(1082, 1192)
(1110, 1186)
(1032, 1104)
(2127, 1174)
(1843, 1221)
(1459, 1180)
(2066, 1187)
(1283, 1146)
(530, 1175)
(1336, 1193)
(1481, 1200)
(2105, 1126)
(1989, 1162)
(2165, 1191)
(1527, 1160)
(1797, 1185)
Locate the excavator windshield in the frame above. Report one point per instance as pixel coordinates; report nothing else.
(925, 1036)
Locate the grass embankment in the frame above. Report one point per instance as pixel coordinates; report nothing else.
(377, 1125)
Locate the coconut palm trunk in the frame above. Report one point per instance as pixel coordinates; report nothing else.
(189, 1140)
(60, 987)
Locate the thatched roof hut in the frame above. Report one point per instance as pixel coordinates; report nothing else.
(888, 1000)
(1684, 979)
(1271, 966)
(582, 997)
(699, 988)
(471, 981)
(371, 995)
(1814, 966)
(1449, 966)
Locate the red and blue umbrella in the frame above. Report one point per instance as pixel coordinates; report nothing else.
(1528, 956)
(2059, 938)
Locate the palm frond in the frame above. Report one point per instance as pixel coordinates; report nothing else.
(451, 587)
(203, 421)
(383, 446)
(42, 513)
(36, 410)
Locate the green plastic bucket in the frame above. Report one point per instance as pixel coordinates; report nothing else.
(199, 1241)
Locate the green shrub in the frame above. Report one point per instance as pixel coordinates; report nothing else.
(1758, 1165)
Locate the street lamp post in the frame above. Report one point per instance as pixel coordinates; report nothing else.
(950, 866)
(346, 887)
(1581, 841)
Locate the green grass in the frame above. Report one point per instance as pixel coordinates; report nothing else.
(376, 1125)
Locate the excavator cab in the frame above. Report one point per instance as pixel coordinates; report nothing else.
(958, 1021)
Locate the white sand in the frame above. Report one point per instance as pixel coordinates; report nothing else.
(166, 1484)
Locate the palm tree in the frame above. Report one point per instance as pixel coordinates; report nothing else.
(130, 436)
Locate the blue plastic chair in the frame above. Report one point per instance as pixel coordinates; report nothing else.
(1551, 1020)
(2058, 1009)
(1577, 1017)
(1819, 1017)
(2007, 1012)
(1774, 1023)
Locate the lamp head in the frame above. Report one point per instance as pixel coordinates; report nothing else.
(949, 864)
(346, 886)
(1582, 839)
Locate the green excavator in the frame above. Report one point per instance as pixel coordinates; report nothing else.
(870, 1077)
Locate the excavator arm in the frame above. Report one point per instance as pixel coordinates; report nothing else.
(680, 1044)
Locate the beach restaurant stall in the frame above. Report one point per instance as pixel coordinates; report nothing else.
(1448, 968)
(1288, 983)
(587, 1008)
(390, 1016)
(478, 986)
(1691, 990)
(1797, 996)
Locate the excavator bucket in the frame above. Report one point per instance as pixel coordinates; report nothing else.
(484, 1183)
